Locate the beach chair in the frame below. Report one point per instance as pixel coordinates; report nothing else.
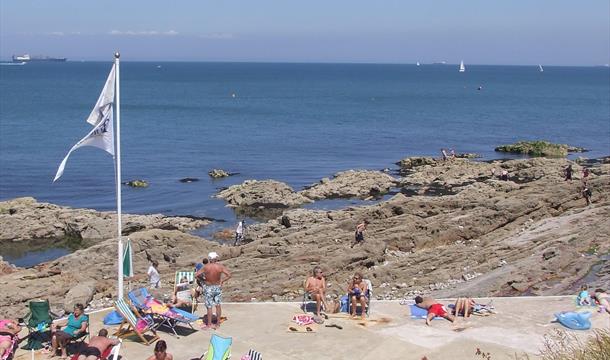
(38, 321)
(186, 288)
(219, 348)
(369, 295)
(165, 315)
(133, 324)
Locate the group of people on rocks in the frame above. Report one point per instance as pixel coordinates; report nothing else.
(584, 178)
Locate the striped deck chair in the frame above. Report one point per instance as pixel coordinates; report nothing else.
(184, 282)
(219, 348)
(133, 324)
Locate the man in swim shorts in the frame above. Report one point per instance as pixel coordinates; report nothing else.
(212, 291)
(434, 309)
(97, 345)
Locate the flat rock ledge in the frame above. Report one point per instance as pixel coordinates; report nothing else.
(25, 219)
(265, 193)
(539, 148)
(361, 184)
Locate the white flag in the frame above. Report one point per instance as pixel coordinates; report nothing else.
(102, 135)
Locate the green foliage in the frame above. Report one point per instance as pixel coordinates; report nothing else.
(563, 346)
(536, 148)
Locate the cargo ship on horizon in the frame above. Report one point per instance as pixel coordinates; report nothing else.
(28, 58)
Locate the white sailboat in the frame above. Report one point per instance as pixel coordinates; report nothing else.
(540, 68)
(417, 63)
(462, 67)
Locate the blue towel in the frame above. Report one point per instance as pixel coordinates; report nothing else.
(113, 318)
(574, 320)
(419, 313)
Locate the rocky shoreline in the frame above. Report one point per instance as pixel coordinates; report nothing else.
(477, 235)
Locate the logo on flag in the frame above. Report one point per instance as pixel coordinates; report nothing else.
(101, 117)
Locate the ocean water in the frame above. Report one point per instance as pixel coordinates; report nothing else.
(295, 123)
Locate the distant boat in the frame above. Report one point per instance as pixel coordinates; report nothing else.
(462, 67)
(417, 63)
(28, 58)
(540, 68)
(13, 63)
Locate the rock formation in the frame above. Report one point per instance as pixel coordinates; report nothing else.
(539, 148)
(25, 218)
(351, 184)
(531, 234)
(266, 194)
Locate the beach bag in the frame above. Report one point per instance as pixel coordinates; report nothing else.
(113, 318)
(344, 303)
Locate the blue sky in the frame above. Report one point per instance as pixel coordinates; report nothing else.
(556, 32)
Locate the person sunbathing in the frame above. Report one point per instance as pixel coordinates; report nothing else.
(97, 345)
(464, 306)
(161, 352)
(75, 325)
(8, 330)
(602, 298)
(434, 309)
(316, 286)
(183, 296)
(357, 292)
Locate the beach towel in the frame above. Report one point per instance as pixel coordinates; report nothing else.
(303, 319)
(574, 320)
(419, 313)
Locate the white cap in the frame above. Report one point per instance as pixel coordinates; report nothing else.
(213, 255)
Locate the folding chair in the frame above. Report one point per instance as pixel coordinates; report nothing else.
(188, 285)
(219, 348)
(169, 317)
(38, 321)
(133, 324)
(368, 295)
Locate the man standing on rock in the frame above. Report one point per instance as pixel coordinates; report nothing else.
(360, 229)
(212, 291)
(239, 233)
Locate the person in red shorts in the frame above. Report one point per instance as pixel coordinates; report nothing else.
(434, 309)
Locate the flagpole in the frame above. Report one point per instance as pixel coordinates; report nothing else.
(117, 108)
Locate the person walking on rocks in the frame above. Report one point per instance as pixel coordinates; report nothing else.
(360, 229)
(212, 291)
(239, 233)
(585, 175)
(568, 173)
(154, 279)
(586, 193)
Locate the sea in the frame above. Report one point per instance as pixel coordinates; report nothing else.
(295, 123)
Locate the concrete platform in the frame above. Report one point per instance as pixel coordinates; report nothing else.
(518, 327)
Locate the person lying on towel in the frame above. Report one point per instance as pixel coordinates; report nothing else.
(434, 309)
(97, 345)
(8, 330)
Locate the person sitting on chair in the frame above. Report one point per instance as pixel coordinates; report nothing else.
(97, 345)
(357, 292)
(316, 286)
(75, 326)
(183, 296)
(434, 309)
(8, 330)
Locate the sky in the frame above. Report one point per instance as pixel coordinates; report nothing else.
(550, 32)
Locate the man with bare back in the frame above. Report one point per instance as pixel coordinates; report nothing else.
(97, 345)
(212, 291)
(434, 309)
